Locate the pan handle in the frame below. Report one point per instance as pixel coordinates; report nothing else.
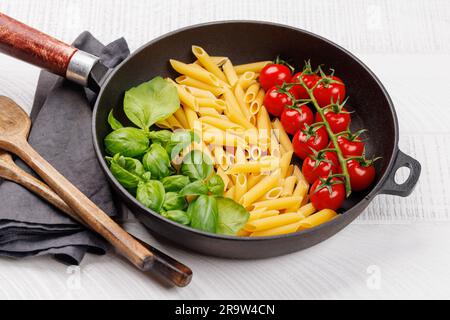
(404, 189)
(30, 45)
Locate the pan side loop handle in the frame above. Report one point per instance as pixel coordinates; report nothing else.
(30, 45)
(404, 189)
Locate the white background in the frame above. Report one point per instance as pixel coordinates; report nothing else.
(398, 248)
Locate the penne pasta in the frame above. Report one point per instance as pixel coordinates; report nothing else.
(174, 123)
(249, 167)
(225, 178)
(253, 179)
(273, 221)
(200, 93)
(253, 67)
(289, 228)
(230, 73)
(264, 127)
(256, 104)
(219, 61)
(318, 218)
(267, 183)
(240, 96)
(283, 136)
(191, 82)
(285, 161)
(206, 111)
(220, 123)
(194, 72)
(278, 204)
(191, 117)
(164, 124)
(208, 63)
(240, 186)
(288, 186)
(255, 215)
(230, 193)
(273, 193)
(181, 118)
(246, 79)
(251, 93)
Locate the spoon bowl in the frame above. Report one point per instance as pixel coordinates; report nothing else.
(14, 121)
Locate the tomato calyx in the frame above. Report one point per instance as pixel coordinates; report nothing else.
(337, 107)
(329, 182)
(278, 60)
(307, 68)
(363, 161)
(319, 156)
(311, 130)
(326, 80)
(351, 136)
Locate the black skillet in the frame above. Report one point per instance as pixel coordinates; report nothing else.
(243, 42)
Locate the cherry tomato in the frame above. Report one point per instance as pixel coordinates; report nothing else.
(310, 79)
(274, 75)
(351, 145)
(320, 166)
(327, 194)
(362, 175)
(315, 138)
(339, 121)
(330, 90)
(276, 101)
(295, 119)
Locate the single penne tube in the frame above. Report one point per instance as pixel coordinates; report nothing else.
(239, 93)
(220, 159)
(264, 127)
(285, 161)
(197, 73)
(207, 111)
(273, 222)
(307, 210)
(225, 178)
(222, 138)
(300, 177)
(241, 186)
(286, 229)
(191, 117)
(220, 123)
(317, 219)
(230, 73)
(191, 82)
(246, 79)
(301, 190)
(208, 63)
(231, 102)
(284, 138)
(267, 183)
(275, 148)
(219, 61)
(255, 152)
(249, 167)
(243, 233)
(273, 193)
(200, 93)
(290, 171)
(278, 204)
(255, 215)
(251, 93)
(253, 67)
(186, 98)
(288, 186)
(174, 123)
(239, 155)
(163, 124)
(217, 104)
(230, 193)
(253, 179)
(256, 104)
(181, 117)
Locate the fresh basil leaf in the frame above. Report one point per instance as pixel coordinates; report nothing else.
(161, 136)
(195, 188)
(151, 194)
(150, 102)
(203, 213)
(216, 185)
(180, 140)
(156, 161)
(129, 142)
(127, 171)
(175, 183)
(113, 122)
(147, 176)
(231, 216)
(174, 201)
(177, 216)
(196, 165)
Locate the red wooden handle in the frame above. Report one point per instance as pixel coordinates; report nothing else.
(25, 43)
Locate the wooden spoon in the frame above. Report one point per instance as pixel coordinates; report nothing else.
(14, 128)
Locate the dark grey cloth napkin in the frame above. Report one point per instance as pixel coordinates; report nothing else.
(61, 133)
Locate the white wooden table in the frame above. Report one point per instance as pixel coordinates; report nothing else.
(398, 248)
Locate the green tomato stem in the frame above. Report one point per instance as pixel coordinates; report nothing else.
(333, 137)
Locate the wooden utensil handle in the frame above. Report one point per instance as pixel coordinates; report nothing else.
(171, 269)
(25, 43)
(93, 216)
